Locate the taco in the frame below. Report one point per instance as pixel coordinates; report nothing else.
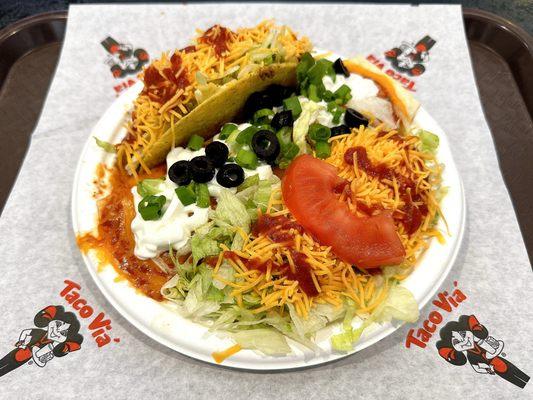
(198, 88)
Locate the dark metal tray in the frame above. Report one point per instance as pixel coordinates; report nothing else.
(501, 55)
(29, 50)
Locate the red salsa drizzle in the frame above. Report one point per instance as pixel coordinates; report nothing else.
(276, 228)
(218, 37)
(412, 215)
(160, 86)
(301, 274)
(188, 49)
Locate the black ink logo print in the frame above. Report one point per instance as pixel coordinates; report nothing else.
(123, 59)
(56, 334)
(411, 58)
(467, 340)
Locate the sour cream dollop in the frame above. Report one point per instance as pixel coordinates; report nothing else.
(178, 222)
(364, 97)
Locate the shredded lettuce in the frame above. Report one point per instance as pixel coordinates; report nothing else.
(267, 341)
(108, 147)
(429, 142)
(400, 305)
(232, 211)
(301, 125)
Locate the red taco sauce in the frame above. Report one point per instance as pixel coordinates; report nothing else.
(114, 244)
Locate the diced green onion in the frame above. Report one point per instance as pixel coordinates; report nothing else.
(195, 142)
(328, 66)
(148, 187)
(284, 135)
(248, 182)
(319, 133)
(151, 207)
(328, 95)
(337, 115)
(186, 194)
(342, 93)
(245, 136)
(312, 93)
(246, 159)
(264, 127)
(202, 195)
(316, 73)
(336, 111)
(226, 131)
(262, 116)
(293, 104)
(290, 151)
(306, 62)
(322, 149)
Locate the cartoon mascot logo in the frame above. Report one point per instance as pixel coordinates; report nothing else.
(410, 58)
(467, 340)
(122, 59)
(56, 336)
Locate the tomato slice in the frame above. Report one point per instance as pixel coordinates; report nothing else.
(308, 189)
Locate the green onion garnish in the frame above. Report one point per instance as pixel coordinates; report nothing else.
(262, 116)
(343, 93)
(319, 133)
(306, 62)
(202, 195)
(195, 142)
(186, 194)
(264, 127)
(322, 149)
(284, 135)
(245, 136)
(293, 104)
(151, 207)
(290, 151)
(226, 131)
(246, 159)
(316, 73)
(312, 93)
(149, 187)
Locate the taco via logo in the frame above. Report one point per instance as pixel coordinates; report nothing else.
(467, 340)
(410, 58)
(56, 334)
(123, 59)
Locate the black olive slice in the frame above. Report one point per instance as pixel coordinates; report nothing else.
(202, 169)
(281, 119)
(340, 68)
(266, 145)
(230, 175)
(340, 130)
(217, 152)
(180, 173)
(354, 119)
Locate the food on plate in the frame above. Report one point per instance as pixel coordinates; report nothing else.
(303, 206)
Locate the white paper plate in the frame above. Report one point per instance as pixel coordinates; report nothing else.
(161, 322)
